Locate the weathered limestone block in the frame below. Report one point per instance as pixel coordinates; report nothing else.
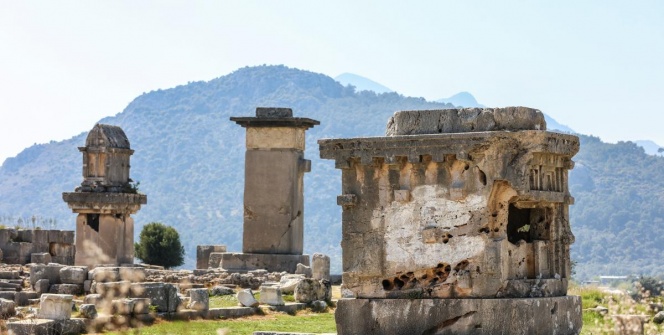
(73, 274)
(71, 289)
(246, 298)
(270, 262)
(23, 298)
(55, 306)
(7, 308)
(465, 120)
(49, 271)
(122, 306)
(114, 290)
(105, 274)
(93, 299)
(40, 257)
(303, 270)
(72, 326)
(163, 296)
(308, 290)
(199, 299)
(203, 255)
(61, 236)
(42, 286)
(9, 275)
(32, 327)
(141, 306)
(271, 295)
(17, 252)
(88, 311)
(132, 274)
(320, 266)
(556, 315)
(289, 282)
(214, 260)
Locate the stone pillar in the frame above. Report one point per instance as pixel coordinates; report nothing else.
(320, 265)
(105, 200)
(273, 191)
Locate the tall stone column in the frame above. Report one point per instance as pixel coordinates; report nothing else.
(273, 192)
(105, 200)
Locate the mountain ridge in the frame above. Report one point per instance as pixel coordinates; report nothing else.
(189, 159)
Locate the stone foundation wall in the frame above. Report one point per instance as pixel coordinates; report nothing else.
(18, 245)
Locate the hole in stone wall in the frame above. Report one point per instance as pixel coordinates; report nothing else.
(482, 177)
(387, 285)
(518, 224)
(398, 283)
(93, 221)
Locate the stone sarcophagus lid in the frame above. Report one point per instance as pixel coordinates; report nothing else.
(105, 199)
(454, 204)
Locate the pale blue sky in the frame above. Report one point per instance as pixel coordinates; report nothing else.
(596, 66)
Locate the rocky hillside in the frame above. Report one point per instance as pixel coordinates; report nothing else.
(189, 160)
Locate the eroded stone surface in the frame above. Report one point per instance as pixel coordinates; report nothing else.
(455, 215)
(555, 315)
(465, 120)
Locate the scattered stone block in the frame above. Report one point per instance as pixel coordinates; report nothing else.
(55, 306)
(72, 326)
(199, 299)
(303, 270)
(308, 290)
(72, 289)
(105, 274)
(132, 274)
(9, 295)
(289, 282)
(141, 306)
(87, 285)
(658, 318)
(93, 299)
(88, 311)
(7, 308)
(246, 298)
(32, 327)
(40, 258)
(49, 271)
(271, 295)
(203, 254)
(23, 298)
(163, 296)
(319, 306)
(9, 275)
(221, 290)
(122, 306)
(320, 265)
(42, 286)
(73, 274)
(113, 290)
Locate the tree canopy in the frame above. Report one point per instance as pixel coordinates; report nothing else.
(159, 244)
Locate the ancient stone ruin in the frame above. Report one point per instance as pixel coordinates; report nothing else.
(457, 222)
(105, 200)
(273, 193)
(23, 246)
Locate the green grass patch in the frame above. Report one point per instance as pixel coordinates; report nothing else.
(591, 297)
(315, 323)
(223, 301)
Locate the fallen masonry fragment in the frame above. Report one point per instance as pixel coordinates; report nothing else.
(456, 204)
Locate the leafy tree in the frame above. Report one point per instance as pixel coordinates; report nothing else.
(159, 244)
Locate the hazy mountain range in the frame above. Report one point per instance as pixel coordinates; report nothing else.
(189, 159)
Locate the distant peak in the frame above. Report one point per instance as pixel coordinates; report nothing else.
(462, 99)
(361, 83)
